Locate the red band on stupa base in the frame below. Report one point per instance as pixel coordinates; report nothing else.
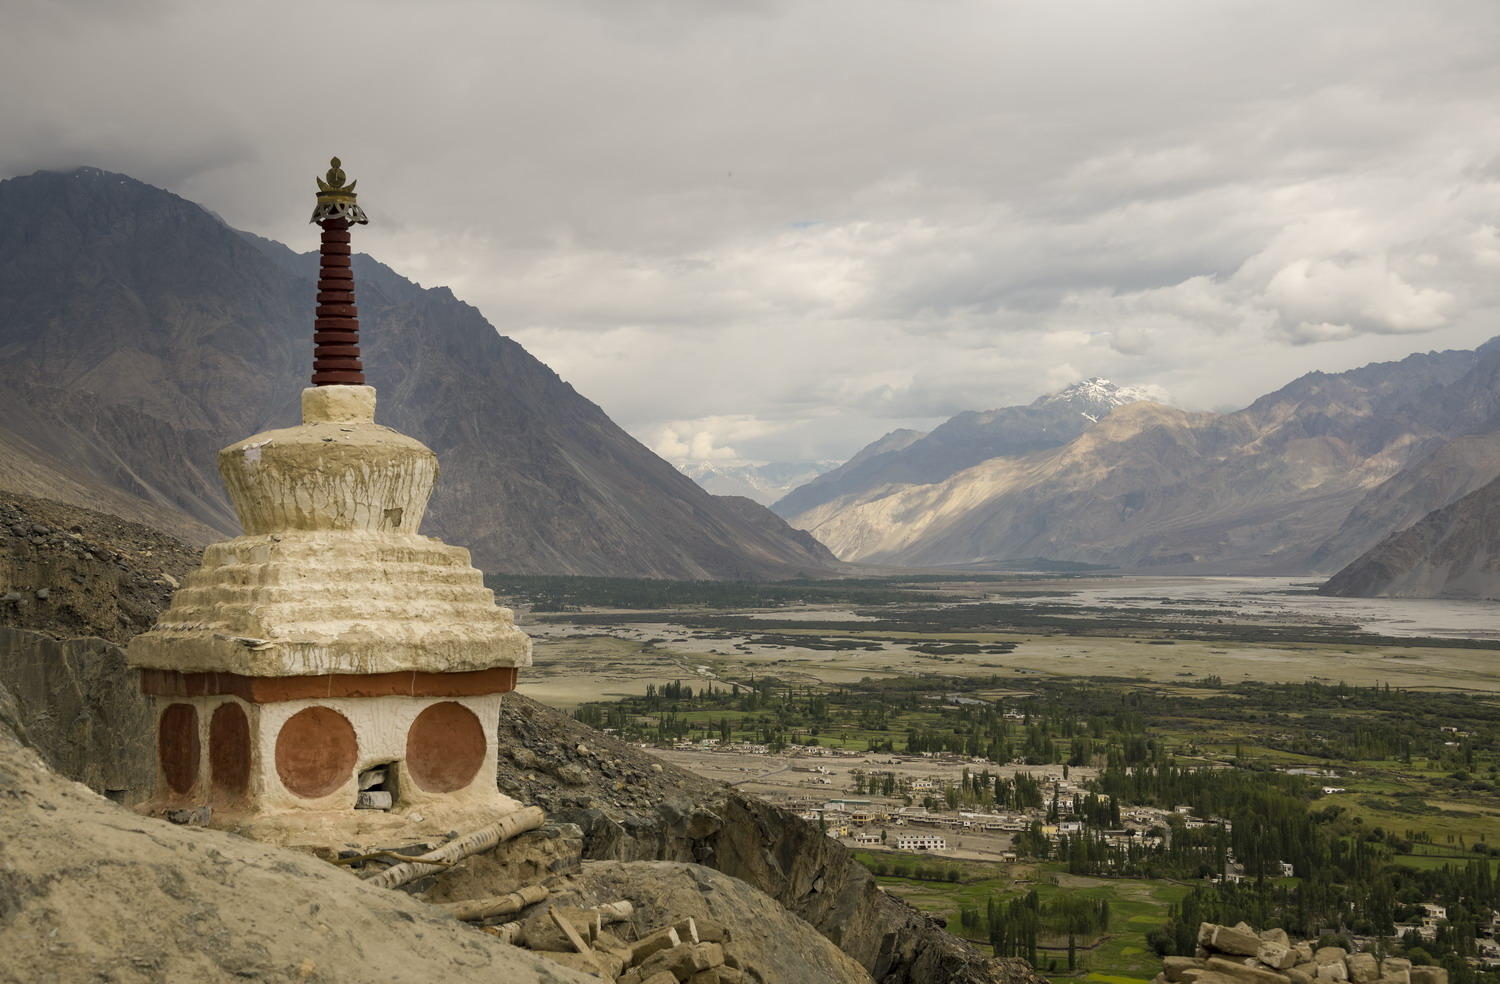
(265, 690)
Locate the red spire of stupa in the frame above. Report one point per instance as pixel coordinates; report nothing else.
(336, 327)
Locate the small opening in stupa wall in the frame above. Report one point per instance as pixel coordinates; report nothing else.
(377, 788)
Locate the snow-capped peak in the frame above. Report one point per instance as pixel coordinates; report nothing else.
(1097, 396)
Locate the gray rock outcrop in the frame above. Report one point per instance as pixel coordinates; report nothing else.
(75, 585)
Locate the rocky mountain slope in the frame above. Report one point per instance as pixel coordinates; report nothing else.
(1453, 552)
(139, 334)
(907, 457)
(1148, 486)
(1451, 472)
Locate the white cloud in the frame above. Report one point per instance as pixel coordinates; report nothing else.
(1061, 375)
(1360, 294)
(682, 447)
(684, 442)
(839, 218)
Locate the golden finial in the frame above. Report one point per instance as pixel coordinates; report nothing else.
(336, 199)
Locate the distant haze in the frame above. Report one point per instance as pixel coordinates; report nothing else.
(773, 231)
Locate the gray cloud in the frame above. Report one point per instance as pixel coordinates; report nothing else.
(784, 228)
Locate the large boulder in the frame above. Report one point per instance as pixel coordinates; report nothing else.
(1232, 939)
(1363, 968)
(1396, 970)
(1277, 956)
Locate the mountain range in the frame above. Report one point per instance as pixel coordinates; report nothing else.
(905, 457)
(139, 334)
(1304, 479)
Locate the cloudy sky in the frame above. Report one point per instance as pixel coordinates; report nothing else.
(767, 230)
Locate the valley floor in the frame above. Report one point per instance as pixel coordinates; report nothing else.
(1380, 715)
(1148, 628)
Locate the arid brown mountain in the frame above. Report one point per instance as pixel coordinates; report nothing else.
(139, 334)
(907, 457)
(857, 473)
(1148, 486)
(1453, 552)
(1429, 483)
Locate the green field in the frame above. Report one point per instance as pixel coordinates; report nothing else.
(1118, 956)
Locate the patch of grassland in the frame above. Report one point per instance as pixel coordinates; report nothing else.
(1118, 956)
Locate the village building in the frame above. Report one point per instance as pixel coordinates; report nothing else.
(921, 842)
(853, 807)
(331, 670)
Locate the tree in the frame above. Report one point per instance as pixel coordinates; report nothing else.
(1075, 915)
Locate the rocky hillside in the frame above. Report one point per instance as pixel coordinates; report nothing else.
(139, 334)
(632, 806)
(906, 457)
(1453, 552)
(95, 892)
(1148, 486)
(92, 892)
(75, 585)
(66, 571)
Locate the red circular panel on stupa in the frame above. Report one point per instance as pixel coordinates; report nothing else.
(316, 751)
(444, 748)
(177, 746)
(229, 750)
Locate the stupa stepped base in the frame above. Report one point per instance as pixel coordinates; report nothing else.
(320, 603)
